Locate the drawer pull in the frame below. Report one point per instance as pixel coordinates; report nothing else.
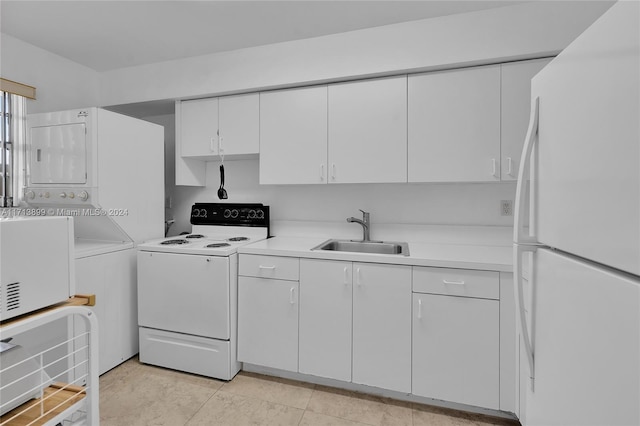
(453, 282)
(267, 267)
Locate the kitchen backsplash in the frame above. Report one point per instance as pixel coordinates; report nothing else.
(423, 204)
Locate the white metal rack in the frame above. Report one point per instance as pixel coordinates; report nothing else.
(54, 402)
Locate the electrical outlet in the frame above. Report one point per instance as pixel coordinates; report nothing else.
(506, 208)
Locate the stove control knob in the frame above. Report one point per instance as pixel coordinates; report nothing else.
(63, 195)
(227, 213)
(72, 195)
(260, 214)
(47, 195)
(234, 213)
(84, 195)
(30, 195)
(252, 214)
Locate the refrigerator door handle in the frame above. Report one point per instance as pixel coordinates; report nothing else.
(518, 252)
(519, 236)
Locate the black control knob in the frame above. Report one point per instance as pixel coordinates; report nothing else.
(227, 214)
(234, 213)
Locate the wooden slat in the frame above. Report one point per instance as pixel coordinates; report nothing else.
(17, 88)
(77, 300)
(53, 396)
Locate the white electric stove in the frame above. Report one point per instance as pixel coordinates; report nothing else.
(208, 240)
(188, 286)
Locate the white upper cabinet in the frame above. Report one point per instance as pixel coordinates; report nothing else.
(368, 131)
(460, 125)
(238, 122)
(293, 136)
(454, 125)
(228, 125)
(516, 105)
(199, 128)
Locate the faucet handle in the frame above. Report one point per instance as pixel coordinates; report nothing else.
(365, 215)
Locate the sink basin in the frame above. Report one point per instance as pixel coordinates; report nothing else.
(377, 247)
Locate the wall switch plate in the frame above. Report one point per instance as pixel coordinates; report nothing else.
(168, 202)
(506, 208)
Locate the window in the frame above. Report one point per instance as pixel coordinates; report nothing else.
(13, 114)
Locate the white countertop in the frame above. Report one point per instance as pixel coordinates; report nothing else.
(86, 247)
(444, 255)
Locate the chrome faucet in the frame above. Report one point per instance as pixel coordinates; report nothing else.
(365, 224)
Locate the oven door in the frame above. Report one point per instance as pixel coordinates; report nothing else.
(184, 293)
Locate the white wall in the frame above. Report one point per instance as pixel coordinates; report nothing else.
(460, 204)
(526, 30)
(60, 83)
(168, 121)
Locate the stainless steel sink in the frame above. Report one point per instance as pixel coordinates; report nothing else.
(377, 247)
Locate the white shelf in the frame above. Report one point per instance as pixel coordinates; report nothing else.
(54, 402)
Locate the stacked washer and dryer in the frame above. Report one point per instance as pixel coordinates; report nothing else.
(106, 170)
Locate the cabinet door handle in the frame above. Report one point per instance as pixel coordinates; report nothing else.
(220, 149)
(358, 277)
(212, 144)
(291, 295)
(494, 165)
(333, 171)
(453, 282)
(322, 171)
(267, 267)
(346, 276)
(509, 166)
(419, 308)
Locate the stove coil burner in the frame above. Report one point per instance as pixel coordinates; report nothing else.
(194, 236)
(218, 245)
(174, 242)
(237, 239)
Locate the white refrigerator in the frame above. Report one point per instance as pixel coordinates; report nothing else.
(579, 301)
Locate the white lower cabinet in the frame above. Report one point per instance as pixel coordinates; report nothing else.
(430, 332)
(456, 349)
(268, 322)
(325, 318)
(382, 326)
(112, 278)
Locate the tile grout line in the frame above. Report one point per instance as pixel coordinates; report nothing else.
(202, 405)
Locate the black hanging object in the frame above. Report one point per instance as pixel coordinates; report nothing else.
(222, 193)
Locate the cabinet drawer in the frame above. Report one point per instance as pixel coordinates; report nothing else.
(457, 282)
(281, 268)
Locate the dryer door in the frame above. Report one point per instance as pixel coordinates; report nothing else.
(58, 154)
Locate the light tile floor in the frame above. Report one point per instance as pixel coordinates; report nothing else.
(137, 394)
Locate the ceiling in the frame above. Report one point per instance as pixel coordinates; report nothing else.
(106, 35)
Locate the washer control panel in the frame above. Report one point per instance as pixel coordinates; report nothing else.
(57, 196)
